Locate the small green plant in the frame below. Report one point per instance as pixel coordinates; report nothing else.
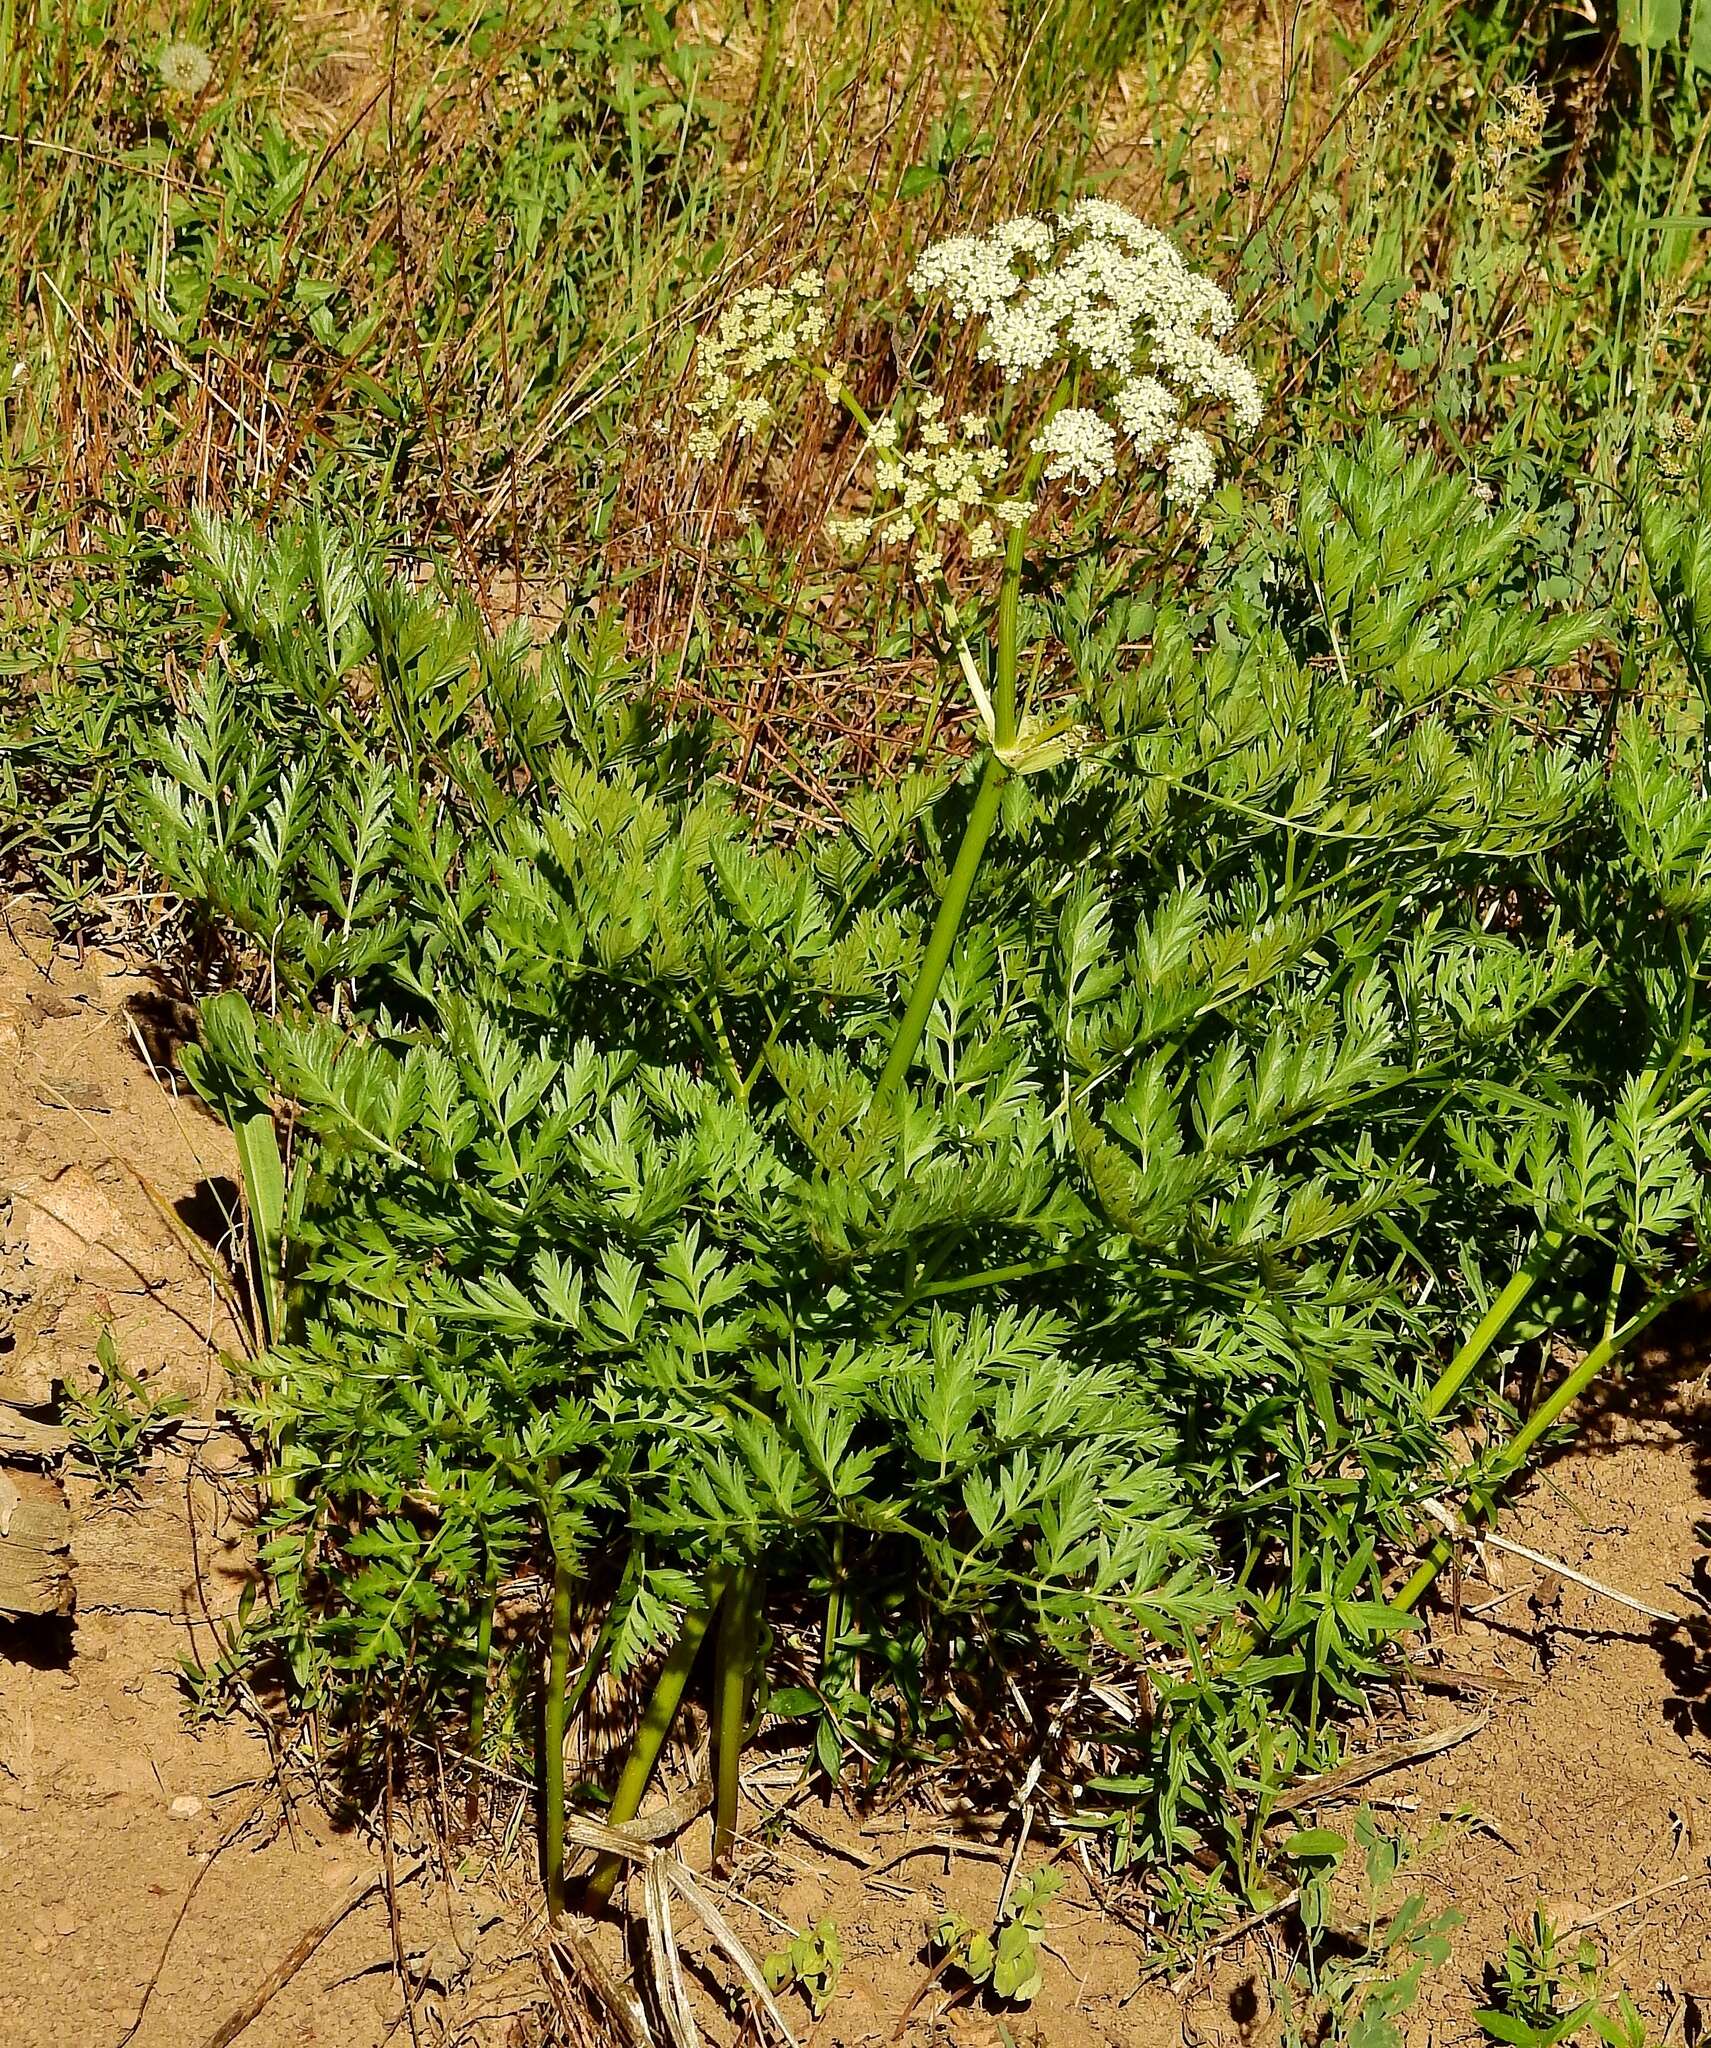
(116, 1422)
(1546, 1988)
(812, 1961)
(1354, 1978)
(1005, 1956)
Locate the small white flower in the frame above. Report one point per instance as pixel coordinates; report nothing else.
(897, 529)
(761, 332)
(704, 443)
(851, 533)
(1015, 511)
(983, 542)
(927, 565)
(1079, 447)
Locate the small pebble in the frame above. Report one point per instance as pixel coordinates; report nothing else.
(185, 1807)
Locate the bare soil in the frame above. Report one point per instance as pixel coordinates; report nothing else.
(139, 1848)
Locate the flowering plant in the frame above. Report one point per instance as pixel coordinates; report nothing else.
(670, 1220)
(1099, 305)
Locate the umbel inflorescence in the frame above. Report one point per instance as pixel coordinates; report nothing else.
(1093, 298)
(1098, 290)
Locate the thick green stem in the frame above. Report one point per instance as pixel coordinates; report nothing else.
(1009, 621)
(734, 1658)
(1513, 1455)
(1492, 1324)
(552, 1735)
(656, 1726)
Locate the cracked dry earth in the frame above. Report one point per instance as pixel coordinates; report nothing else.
(133, 1842)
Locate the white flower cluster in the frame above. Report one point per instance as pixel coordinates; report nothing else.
(944, 480)
(761, 332)
(1098, 287)
(1078, 446)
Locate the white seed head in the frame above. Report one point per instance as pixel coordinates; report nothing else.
(184, 67)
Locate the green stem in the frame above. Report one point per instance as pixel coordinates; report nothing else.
(833, 1629)
(1492, 1324)
(590, 1671)
(1009, 619)
(734, 1657)
(1513, 1455)
(478, 1701)
(656, 1726)
(906, 1041)
(552, 1719)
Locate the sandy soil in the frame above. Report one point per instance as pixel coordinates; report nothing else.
(135, 1842)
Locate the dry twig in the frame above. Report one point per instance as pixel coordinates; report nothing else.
(287, 1967)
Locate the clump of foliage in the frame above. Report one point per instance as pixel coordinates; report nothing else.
(1546, 1989)
(115, 1422)
(1357, 1972)
(1327, 1021)
(813, 1961)
(1007, 1956)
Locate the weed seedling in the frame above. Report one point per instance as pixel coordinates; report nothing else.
(1005, 1956)
(116, 1422)
(812, 1961)
(1546, 1989)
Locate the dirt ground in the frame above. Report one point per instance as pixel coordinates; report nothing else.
(138, 1849)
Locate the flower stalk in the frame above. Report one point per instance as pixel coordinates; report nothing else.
(733, 1676)
(656, 1725)
(552, 1735)
(1492, 1325)
(983, 815)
